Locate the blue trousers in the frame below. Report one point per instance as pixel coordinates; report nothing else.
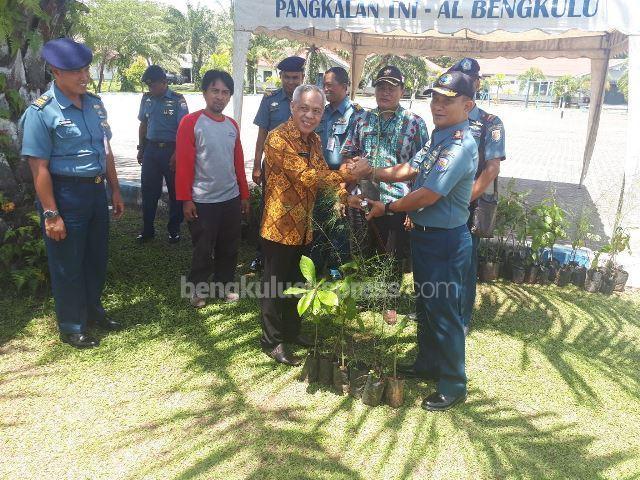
(440, 263)
(78, 264)
(155, 168)
(470, 283)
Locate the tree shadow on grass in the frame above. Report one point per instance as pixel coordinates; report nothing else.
(546, 319)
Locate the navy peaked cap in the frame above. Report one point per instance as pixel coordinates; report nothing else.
(291, 64)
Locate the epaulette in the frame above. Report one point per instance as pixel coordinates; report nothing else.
(457, 135)
(357, 107)
(268, 93)
(41, 101)
(179, 96)
(94, 95)
(487, 117)
(146, 95)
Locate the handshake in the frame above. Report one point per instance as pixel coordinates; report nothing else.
(357, 168)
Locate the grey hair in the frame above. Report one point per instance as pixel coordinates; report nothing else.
(301, 89)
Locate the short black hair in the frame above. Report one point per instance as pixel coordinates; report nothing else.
(341, 75)
(212, 76)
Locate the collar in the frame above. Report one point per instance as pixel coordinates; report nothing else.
(61, 98)
(281, 95)
(440, 135)
(474, 114)
(342, 106)
(397, 114)
(295, 133)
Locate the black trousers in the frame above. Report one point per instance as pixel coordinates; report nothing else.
(388, 235)
(279, 317)
(215, 236)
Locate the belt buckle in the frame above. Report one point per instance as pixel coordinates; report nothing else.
(98, 179)
(161, 144)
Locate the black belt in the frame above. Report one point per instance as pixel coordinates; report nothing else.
(68, 179)
(420, 228)
(161, 144)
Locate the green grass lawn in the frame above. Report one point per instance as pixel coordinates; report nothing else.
(180, 394)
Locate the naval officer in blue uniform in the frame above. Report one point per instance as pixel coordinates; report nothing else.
(488, 131)
(331, 230)
(442, 176)
(66, 140)
(161, 110)
(274, 109)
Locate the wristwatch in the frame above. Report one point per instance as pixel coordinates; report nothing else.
(50, 214)
(387, 208)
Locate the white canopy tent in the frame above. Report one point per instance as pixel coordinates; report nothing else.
(595, 29)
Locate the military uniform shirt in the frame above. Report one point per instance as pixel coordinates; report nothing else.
(334, 127)
(386, 143)
(274, 109)
(494, 141)
(72, 139)
(163, 115)
(446, 166)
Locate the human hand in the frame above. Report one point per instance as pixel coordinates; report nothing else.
(376, 209)
(55, 228)
(189, 210)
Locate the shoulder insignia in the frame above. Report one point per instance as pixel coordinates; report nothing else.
(179, 96)
(41, 101)
(146, 95)
(357, 107)
(268, 94)
(91, 94)
(457, 135)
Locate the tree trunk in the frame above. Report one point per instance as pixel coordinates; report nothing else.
(100, 76)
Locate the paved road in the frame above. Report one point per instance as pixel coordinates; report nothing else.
(544, 153)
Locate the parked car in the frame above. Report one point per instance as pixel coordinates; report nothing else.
(175, 78)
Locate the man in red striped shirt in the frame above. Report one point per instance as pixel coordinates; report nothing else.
(211, 181)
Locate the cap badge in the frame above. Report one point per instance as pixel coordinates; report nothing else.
(466, 64)
(445, 79)
(387, 71)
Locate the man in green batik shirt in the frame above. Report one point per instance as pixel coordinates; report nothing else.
(386, 136)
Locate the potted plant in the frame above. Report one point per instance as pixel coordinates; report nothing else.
(615, 277)
(394, 391)
(346, 312)
(547, 227)
(316, 301)
(582, 232)
(593, 279)
(488, 261)
(510, 216)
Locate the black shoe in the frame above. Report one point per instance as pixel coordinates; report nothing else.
(280, 355)
(142, 238)
(303, 341)
(409, 371)
(256, 265)
(174, 238)
(107, 324)
(437, 402)
(79, 340)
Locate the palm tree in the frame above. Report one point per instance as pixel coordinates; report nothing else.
(317, 61)
(193, 32)
(528, 78)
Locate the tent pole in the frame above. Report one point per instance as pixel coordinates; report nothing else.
(357, 66)
(240, 49)
(599, 69)
(630, 193)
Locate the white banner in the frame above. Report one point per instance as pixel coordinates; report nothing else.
(445, 16)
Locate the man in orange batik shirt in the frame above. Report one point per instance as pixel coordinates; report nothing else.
(294, 168)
